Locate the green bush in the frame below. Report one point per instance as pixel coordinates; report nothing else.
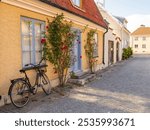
(127, 53)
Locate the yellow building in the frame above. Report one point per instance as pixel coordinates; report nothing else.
(21, 26)
(141, 40)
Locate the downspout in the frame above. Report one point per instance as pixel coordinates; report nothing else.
(0, 95)
(104, 46)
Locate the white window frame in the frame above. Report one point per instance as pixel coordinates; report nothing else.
(32, 44)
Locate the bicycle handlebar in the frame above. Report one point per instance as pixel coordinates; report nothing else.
(36, 64)
(33, 66)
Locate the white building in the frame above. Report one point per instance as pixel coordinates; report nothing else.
(116, 38)
(125, 32)
(141, 40)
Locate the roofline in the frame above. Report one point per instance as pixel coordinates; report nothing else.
(110, 15)
(127, 30)
(60, 7)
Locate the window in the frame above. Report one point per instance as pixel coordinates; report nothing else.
(96, 45)
(31, 34)
(144, 38)
(77, 2)
(136, 38)
(144, 46)
(136, 46)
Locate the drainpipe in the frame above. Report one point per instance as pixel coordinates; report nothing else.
(104, 46)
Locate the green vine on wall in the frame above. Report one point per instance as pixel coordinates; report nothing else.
(89, 49)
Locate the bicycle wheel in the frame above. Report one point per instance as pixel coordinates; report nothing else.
(19, 93)
(45, 83)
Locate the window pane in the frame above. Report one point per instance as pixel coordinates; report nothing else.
(38, 57)
(76, 2)
(144, 46)
(26, 43)
(38, 33)
(144, 38)
(26, 57)
(37, 29)
(38, 45)
(26, 27)
(136, 46)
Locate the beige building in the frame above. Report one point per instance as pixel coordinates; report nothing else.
(141, 40)
(116, 38)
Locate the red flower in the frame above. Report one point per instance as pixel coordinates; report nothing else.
(80, 57)
(43, 40)
(64, 48)
(55, 72)
(46, 27)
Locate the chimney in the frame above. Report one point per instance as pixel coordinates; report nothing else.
(142, 25)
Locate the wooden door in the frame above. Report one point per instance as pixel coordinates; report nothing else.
(110, 52)
(117, 51)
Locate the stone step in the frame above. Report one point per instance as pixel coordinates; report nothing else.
(83, 79)
(80, 75)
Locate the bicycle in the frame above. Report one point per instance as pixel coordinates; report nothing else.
(21, 88)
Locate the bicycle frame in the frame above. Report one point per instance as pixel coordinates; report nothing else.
(21, 88)
(38, 73)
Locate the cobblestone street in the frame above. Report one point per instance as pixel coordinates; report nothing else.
(124, 87)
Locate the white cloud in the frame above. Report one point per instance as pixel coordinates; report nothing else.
(134, 21)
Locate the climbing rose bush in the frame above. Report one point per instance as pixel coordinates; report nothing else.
(89, 49)
(58, 46)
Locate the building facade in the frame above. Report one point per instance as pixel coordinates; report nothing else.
(125, 33)
(140, 40)
(21, 26)
(116, 38)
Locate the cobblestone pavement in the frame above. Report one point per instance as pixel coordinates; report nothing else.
(124, 87)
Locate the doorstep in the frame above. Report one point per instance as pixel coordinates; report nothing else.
(82, 78)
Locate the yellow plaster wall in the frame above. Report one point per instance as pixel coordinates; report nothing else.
(10, 44)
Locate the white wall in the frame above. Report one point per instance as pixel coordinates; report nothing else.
(141, 42)
(113, 34)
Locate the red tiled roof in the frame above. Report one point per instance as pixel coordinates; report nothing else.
(90, 10)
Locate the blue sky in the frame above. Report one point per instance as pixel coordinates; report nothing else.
(136, 12)
(128, 7)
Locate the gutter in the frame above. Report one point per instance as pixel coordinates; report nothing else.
(104, 46)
